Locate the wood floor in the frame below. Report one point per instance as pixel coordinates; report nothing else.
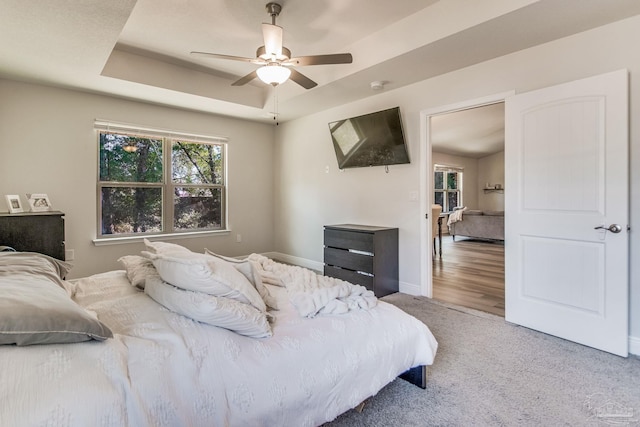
(470, 273)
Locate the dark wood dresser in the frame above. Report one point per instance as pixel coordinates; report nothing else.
(364, 255)
(41, 232)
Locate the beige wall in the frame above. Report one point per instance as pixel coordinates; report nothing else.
(48, 145)
(491, 171)
(477, 173)
(308, 198)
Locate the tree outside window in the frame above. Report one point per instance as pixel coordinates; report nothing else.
(150, 185)
(447, 187)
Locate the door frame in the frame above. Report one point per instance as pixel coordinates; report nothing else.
(426, 179)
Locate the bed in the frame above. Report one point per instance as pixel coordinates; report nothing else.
(143, 364)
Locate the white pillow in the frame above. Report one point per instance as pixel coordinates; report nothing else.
(164, 247)
(138, 269)
(223, 312)
(251, 272)
(202, 273)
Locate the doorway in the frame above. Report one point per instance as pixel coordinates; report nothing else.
(467, 149)
(467, 137)
(581, 294)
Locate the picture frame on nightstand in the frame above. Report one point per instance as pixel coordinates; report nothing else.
(13, 203)
(39, 202)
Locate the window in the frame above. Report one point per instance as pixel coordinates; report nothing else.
(150, 183)
(447, 183)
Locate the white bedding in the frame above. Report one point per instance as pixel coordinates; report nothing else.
(164, 369)
(311, 293)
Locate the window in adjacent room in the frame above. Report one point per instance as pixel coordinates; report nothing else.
(447, 187)
(154, 182)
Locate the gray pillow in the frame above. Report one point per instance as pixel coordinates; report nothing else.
(35, 308)
(138, 269)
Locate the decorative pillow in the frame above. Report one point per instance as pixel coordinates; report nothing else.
(202, 273)
(223, 312)
(250, 271)
(138, 269)
(35, 307)
(164, 247)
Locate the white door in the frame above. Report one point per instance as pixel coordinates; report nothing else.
(566, 183)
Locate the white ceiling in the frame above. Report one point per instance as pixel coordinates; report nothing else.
(474, 132)
(140, 49)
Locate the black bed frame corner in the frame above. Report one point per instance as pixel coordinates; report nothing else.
(416, 376)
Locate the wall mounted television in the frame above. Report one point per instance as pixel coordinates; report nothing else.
(375, 139)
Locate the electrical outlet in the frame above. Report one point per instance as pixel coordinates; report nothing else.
(238, 238)
(69, 254)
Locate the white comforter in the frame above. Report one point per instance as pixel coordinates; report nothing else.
(311, 293)
(163, 369)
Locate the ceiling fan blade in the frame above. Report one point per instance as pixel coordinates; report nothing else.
(233, 58)
(246, 79)
(336, 58)
(302, 80)
(272, 35)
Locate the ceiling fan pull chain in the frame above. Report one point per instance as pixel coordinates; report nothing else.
(275, 105)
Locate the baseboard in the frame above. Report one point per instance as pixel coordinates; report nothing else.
(634, 345)
(410, 289)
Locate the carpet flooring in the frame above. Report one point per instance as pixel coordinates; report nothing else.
(488, 372)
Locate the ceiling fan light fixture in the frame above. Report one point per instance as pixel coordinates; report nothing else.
(273, 74)
(275, 59)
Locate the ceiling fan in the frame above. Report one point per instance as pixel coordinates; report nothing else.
(276, 61)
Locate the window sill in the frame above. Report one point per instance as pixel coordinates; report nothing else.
(104, 241)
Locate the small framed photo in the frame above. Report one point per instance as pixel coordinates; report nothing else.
(39, 202)
(13, 202)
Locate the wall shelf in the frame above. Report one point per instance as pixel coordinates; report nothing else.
(493, 190)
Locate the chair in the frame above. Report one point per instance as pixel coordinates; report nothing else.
(436, 221)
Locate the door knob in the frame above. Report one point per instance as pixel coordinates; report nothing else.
(614, 228)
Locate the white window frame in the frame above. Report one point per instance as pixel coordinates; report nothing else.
(449, 169)
(168, 139)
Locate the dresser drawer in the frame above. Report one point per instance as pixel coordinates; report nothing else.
(365, 255)
(349, 276)
(348, 240)
(349, 260)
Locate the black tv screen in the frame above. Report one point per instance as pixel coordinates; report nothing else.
(374, 139)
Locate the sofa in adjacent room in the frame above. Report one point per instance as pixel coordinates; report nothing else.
(479, 224)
